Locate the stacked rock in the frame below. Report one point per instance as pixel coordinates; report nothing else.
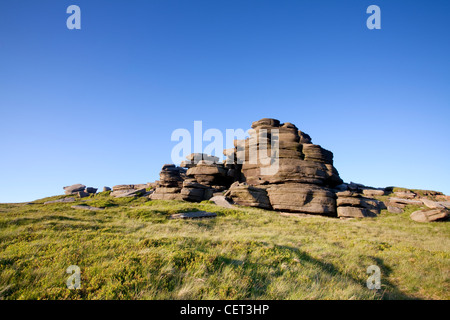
(80, 190)
(128, 190)
(296, 174)
(204, 177)
(74, 189)
(353, 204)
(170, 184)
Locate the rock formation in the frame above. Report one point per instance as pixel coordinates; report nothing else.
(170, 184)
(277, 168)
(128, 190)
(352, 204)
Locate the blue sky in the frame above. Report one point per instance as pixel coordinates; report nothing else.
(98, 105)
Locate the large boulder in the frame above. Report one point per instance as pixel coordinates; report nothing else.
(245, 195)
(221, 201)
(91, 190)
(303, 198)
(430, 215)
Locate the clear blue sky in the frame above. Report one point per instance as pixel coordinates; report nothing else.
(98, 105)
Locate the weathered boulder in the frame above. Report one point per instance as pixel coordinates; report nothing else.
(360, 206)
(221, 201)
(406, 194)
(170, 184)
(402, 203)
(82, 194)
(289, 170)
(303, 198)
(245, 195)
(73, 189)
(128, 193)
(430, 215)
(373, 192)
(193, 194)
(354, 212)
(445, 204)
(91, 190)
(392, 209)
(432, 204)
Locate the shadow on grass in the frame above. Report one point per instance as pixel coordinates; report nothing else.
(389, 290)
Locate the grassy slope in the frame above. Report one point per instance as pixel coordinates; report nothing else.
(132, 251)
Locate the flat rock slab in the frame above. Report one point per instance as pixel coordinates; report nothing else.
(445, 204)
(432, 204)
(64, 200)
(405, 201)
(221, 202)
(87, 208)
(296, 214)
(193, 215)
(128, 193)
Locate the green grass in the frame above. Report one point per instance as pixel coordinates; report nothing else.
(132, 251)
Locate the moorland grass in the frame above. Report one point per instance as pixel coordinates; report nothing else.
(131, 250)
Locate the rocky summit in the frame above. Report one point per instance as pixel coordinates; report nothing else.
(277, 167)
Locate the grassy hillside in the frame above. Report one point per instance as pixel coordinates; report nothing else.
(132, 251)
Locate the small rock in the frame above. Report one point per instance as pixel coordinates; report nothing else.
(193, 215)
(105, 189)
(91, 190)
(73, 189)
(392, 209)
(64, 200)
(221, 201)
(82, 194)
